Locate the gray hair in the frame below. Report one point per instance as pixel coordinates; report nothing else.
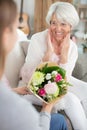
(65, 12)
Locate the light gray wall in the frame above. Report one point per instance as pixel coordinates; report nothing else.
(28, 7)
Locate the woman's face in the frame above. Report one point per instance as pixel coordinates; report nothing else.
(59, 30)
(10, 36)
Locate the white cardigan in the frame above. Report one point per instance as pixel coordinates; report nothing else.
(36, 51)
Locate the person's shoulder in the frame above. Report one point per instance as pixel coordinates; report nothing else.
(73, 44)
(4, 90)
(2, 84)
(73, 48)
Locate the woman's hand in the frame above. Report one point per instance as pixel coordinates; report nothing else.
(21, 90)
(64, 49)
(48, 107)
(50, 49)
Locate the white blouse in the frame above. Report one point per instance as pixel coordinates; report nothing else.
(36, 51)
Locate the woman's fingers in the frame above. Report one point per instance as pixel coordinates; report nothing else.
(49, 41)
(22, 90)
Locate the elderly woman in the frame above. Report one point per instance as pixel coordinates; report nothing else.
(15, 112)
(54, 44)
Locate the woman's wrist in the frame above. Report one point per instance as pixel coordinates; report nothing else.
(47, 56)
(63, 59)
(47, 108)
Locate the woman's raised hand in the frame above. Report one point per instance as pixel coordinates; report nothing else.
(50, 49)
(49, 42)
(64, 49)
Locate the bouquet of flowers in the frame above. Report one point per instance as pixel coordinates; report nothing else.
(48, 82)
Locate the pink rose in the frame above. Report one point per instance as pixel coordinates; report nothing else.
(51, 88)
(41, 92)
(58, 78)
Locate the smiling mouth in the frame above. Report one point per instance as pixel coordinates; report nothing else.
(59, 34)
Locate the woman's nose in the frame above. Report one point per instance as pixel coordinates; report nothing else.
(58, 27)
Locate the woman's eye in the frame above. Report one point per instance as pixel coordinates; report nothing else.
(63, 24)
(52, 22)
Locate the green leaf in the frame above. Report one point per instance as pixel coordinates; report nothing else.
(62, 72)
(49, 69)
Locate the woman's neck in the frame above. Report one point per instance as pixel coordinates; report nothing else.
(57, 47)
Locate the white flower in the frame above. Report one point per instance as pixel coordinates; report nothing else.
(54, 72)
(49, 82)
(48, 76)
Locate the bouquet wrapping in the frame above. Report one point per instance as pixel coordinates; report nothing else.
(48, 82)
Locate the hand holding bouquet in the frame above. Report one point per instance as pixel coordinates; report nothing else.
(48, 82)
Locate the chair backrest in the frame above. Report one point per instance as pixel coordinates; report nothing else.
(15, 61)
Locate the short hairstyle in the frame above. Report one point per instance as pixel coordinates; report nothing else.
(64, 12)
